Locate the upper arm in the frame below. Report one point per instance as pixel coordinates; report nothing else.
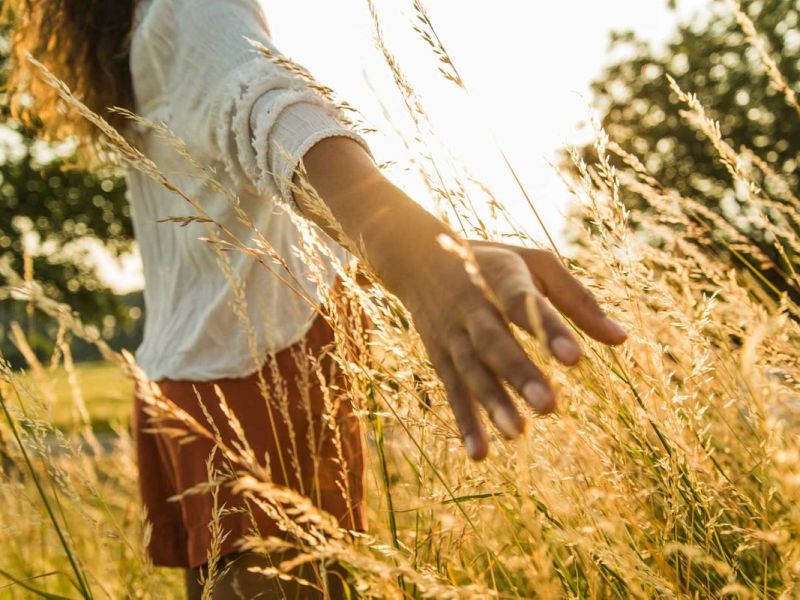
(228, 102)
(217, 76)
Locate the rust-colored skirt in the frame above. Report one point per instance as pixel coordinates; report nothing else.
(181, 534)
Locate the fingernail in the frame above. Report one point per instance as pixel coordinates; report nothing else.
(472, 446)
(616, 329)
(505, 423)
(538, 396)
(565, 350)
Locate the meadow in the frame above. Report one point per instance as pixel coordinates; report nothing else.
(671, 469)
(106, 394)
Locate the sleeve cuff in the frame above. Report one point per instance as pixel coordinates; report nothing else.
(294, 132)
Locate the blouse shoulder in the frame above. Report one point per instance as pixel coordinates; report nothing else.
(151, 44)
(195, 68)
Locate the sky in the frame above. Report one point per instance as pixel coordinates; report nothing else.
(527, 64)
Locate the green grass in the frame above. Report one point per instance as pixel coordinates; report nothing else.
(107, 393)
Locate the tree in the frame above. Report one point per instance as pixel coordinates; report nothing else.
(713, 59)
(48, 210)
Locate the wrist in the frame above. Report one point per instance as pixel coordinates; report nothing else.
(404, 250)
(396, 236)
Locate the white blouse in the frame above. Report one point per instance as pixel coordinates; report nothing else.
(194, 69)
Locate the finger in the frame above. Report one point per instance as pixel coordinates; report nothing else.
(484, 388)
(570, 297)
(465, 410)
(510, 280)
(499, 351)
(530, 310)
(560, 339)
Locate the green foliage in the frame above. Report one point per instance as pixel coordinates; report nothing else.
(50, 209)
(62, 206)
(712, 58)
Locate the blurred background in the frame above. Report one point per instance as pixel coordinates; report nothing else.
(531, 70)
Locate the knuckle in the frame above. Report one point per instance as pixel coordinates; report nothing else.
(491, 397)
(488, 255)
(517, 301)
(586, 301)
(486, 340)
(514, 274)
(518, 368)
(502, 265)
(513, 364)
(470, 307)
(550, 319)
(498, 346)
(483, 385)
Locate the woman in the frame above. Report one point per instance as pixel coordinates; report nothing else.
(191, 64)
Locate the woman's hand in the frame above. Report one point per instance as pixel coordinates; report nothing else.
(467, 336)
(472, 347)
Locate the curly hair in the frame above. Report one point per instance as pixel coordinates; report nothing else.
(86, 44)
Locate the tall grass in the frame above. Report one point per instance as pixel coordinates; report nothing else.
(671, 470)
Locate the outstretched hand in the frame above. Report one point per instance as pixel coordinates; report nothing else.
(467, 335)
(471, 345)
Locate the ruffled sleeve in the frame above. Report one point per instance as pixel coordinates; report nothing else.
(229, 102)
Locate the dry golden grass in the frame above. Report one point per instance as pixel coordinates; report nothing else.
(671, 470)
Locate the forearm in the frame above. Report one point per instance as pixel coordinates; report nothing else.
(396, 236)
(466, 334)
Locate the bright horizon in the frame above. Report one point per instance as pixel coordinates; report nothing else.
(530, 63)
